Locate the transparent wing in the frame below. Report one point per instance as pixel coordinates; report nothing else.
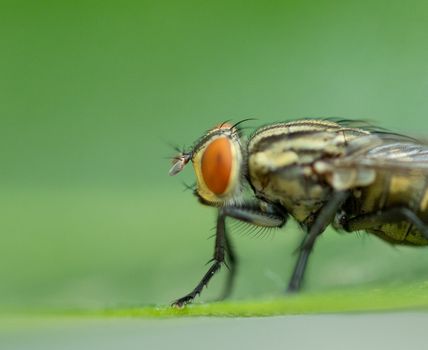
(367, 155)
(386, 151)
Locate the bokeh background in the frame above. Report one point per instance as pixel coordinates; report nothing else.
(93, 92)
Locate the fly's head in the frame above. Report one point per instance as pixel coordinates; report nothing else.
(218, 160)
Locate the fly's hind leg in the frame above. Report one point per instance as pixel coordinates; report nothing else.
(372, 220)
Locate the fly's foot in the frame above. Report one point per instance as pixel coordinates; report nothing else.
(181, 302)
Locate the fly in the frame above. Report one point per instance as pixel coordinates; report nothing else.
(319, 172)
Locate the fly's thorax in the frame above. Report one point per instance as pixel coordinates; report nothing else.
(217, 161)
(295, 187)
(305, 135)
(282, 158)
(288, 178)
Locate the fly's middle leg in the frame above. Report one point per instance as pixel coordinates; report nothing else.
(323, 219)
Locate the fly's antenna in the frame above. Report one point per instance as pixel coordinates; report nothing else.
(179, 162)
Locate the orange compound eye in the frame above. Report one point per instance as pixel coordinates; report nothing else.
(216, 165)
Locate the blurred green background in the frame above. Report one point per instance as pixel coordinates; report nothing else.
(92, 93)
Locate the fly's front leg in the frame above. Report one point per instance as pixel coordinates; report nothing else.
(217, 260)
(266, 215)
(259, 214)
(323, 219)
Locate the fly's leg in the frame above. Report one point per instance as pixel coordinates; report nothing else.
(252, 213)
(369, 221)
(269, 216)
(324, 218)
(217, 260)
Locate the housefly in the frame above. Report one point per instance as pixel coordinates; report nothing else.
(319, 172)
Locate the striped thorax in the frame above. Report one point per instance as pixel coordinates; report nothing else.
(287, 163)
